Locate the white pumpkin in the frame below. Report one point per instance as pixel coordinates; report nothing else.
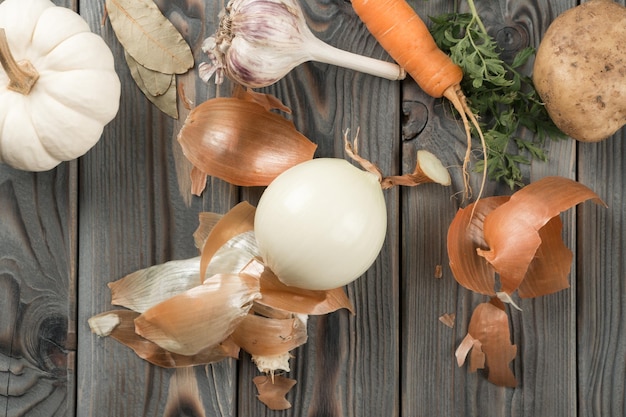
(77, 92)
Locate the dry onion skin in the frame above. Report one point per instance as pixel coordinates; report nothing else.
(465, 235)
(176, 319)
(269, 340)
(448, 319)
(269, 336)
(123, 330)
(147, 287)
(518, 238)
(240, 140)
(488, 343)
(239, 219)
(201, 317)
(506, 235)
(206, 222)
(276, 294)
(272, 391)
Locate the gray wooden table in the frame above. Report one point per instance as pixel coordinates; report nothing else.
(126, 205)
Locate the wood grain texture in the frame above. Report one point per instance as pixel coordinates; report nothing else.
(37, 280)
(601, 347)
(601, 287)
(347, 359)
(38, 290)
(543, 332)
(136, 212)
(127, 205)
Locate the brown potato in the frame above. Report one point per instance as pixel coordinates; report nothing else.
(580, 70)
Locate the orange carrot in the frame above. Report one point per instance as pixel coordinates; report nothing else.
(404, 35)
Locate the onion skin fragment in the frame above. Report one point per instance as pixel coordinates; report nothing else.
(488, 342)
(239, 219)
(241, 142)
(465, 236)
(549, 270)
(275, 294)
(272, 391)
(143, 289)
(266, 336)
(125, 333)
(517, 237)
(204, 316)
(207, 220)
(428, 169)
(512, 230)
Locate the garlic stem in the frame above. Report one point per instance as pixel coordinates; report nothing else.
(22, 75)
(328, 54)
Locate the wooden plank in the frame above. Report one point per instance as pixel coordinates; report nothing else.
(543, 331)
(349, 366)
(601, 287)
(38, 287)
(136, 211)
(601, 292)
(37, 254)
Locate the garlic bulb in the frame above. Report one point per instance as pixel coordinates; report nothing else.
(259, 41)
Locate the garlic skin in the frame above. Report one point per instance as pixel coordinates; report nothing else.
(260, 41)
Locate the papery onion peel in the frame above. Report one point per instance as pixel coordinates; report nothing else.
(519, 238)
(241, 141)
(272, 391)
(488, 343)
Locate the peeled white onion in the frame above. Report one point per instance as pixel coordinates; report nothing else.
(321, 224)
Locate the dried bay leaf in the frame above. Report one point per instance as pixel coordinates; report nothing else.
(167, 101)
(148, 36)
(155, 83)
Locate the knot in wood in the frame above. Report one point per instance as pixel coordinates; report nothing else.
(511, 40)
(415, 117)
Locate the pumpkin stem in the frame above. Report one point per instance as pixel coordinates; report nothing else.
(22, 75)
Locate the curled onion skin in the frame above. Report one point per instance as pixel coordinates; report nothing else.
(321, 224)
